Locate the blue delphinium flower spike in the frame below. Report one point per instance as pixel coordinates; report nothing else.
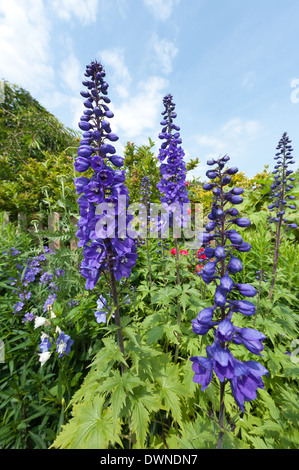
(223, 264)
(105, 243)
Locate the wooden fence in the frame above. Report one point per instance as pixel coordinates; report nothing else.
(53, 226)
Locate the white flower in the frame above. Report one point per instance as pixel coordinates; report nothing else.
(43, 357)
(40, 321)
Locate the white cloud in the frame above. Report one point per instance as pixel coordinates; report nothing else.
(71, 73)
(139, 114)
(161, 9)
(235, 128)
(121, 78)
(85, 11)
(76, 110)
(25, 38)
(165, 51)
(233, 138)
(248, 80)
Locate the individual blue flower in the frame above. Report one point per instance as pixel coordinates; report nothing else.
(45, 343)
(25, 295)
(63, 343)
(50, 300)
(225, 330)
(246, 289)
(29, 316)
(203, 322)
(123, 265)
(225, 365)
(18, 306)
(251, 338)
(203, 371)
(244, 387)
(101, 317)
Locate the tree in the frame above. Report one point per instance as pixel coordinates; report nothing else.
(30, 136)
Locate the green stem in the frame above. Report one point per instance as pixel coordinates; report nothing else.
(177, 347)
(278, 229)
(221, 415)
(116, 314)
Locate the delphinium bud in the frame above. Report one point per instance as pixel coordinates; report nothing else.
(172, 169)
(282, 202)
(173, 178)
(244, 377)
(106, 244)
(282, 183)
(146, 192)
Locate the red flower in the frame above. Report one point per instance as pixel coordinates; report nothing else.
(200, 254)
(199, 267)
(173, 251)
(184, 252)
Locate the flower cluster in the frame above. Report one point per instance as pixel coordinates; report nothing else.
(201, 256)
(172, 168)
(282, 183)
(102, 309)
(103, 197)
(145, 190)
(60, 341)
(244, 377)
(26, 278)
(27, 275)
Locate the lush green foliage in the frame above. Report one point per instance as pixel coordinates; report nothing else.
(154, 404)
(35, 150)
(82, 399)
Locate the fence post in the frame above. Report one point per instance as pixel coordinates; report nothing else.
(73, 243)
(22, 221)
(53, 226)
(6, 218)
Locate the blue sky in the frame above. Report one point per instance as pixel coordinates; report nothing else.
(232, 67)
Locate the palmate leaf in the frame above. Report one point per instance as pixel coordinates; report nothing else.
(200, 433)
(164, 295)
(91, 427)
(171, 391)
(144, 402)
(119, 386)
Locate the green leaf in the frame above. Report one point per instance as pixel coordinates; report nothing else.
(140, 422)
(171, 391)
(91, 427)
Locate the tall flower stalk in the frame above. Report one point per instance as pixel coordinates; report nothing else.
(103, 201)
(145, 200)
(244, 377)
(173, 176)
(281, 185)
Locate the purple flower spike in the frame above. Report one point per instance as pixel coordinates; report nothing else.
(104, 197)
(219, 270)
(173, 169)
